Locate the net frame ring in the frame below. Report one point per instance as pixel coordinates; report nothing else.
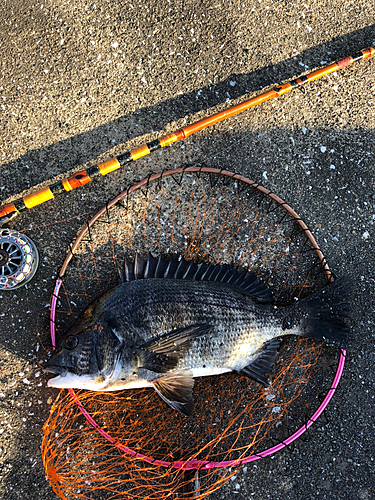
(196, 464)
(19, 259)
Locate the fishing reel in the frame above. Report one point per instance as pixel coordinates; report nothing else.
(19, 259)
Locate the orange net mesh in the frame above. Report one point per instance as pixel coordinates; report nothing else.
(205, 216)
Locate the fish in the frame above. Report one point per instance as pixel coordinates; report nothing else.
(170, 321)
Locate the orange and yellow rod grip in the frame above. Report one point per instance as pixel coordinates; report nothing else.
(86, 176)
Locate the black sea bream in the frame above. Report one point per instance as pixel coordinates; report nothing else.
(168, 322)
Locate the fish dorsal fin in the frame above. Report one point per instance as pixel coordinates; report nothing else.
(162, 353)
(156, 267)
(176, 389)
(263, 363)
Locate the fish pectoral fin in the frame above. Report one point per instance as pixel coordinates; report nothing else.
(176, 389)
(178, 340)
(162, 353)
(263, 363)
(156, 362)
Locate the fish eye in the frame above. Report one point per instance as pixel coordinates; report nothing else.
(71, 342)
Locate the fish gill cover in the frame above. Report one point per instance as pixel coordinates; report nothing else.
(129, 444)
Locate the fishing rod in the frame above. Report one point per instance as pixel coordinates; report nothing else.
(13, 252)
(85, 176)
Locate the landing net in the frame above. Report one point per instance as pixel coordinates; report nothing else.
(130, 444)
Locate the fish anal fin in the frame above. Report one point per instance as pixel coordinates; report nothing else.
(263, 363)
(176, 389)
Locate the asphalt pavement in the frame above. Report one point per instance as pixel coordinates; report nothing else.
(83, 81)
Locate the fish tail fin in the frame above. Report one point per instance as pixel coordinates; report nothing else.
(325, 315)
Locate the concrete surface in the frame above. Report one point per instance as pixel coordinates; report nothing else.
(83, 80)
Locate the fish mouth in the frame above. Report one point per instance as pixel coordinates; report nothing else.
(56, 370)
(71, 381)
(61, 380)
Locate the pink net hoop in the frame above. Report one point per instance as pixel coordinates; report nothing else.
(195, 463)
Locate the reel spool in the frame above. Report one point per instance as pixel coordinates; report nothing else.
(19, 259)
